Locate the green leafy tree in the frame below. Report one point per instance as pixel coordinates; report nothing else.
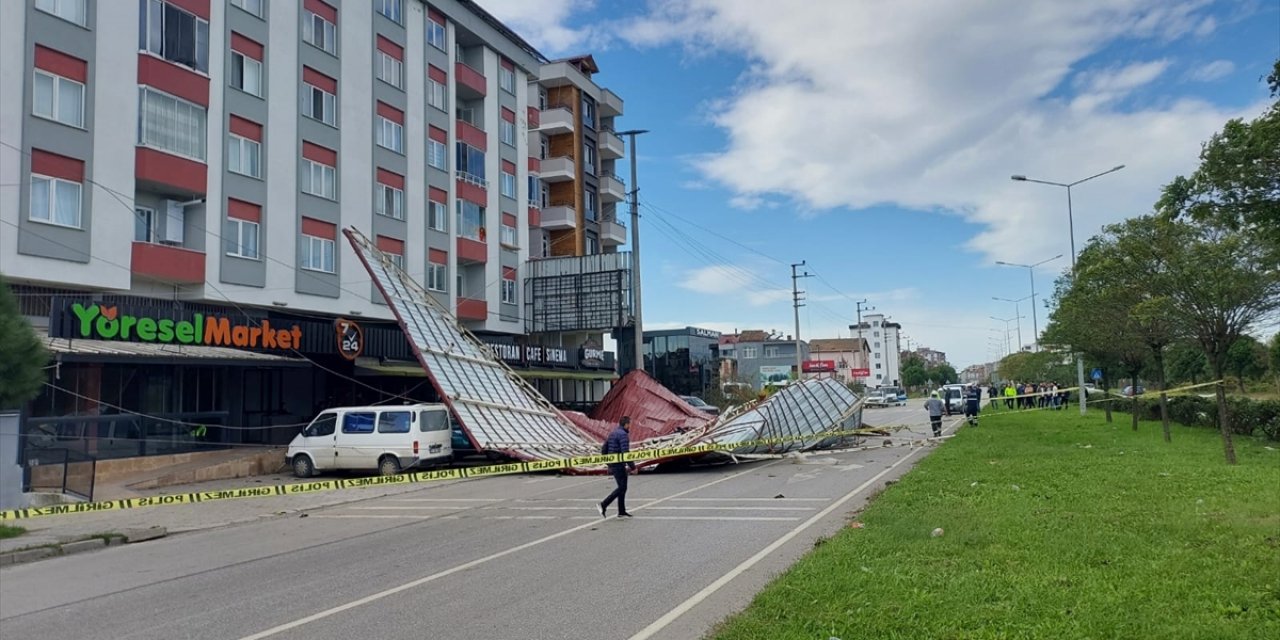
(944, 373)
(1247, 360)
(22, 355)
(913, 371)
(1274, 350)
(1186, 363)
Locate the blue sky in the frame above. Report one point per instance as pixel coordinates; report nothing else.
(875, 140)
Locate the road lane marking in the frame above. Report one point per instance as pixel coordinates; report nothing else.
(394, 507)
(320, 615)
(372, 515)
(709, 518)
(693, 601)
(445, 500)
(701, 508)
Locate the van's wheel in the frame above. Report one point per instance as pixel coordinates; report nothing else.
(302, 466)
(388, 466)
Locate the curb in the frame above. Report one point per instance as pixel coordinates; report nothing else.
(130, 536)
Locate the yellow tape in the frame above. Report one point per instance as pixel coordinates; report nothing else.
(416, 477)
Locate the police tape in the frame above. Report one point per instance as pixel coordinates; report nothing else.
(1179, 391)
(436, 475)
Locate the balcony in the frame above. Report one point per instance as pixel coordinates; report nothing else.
(167, 263)
(556, 121)
(535, 217)
(472, 251)
(559, 218)
(612, 189)
(167, 173)
(611, 146)
(610, 104)
(471, 83)
(471, 309)
(559, 74)
(471, 188)
(612, 233)
(558, 169)
(535, 117)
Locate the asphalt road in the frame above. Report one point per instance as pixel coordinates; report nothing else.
(506, 557)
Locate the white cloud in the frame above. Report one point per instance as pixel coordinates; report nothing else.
(1211, 71)
(544, 23)
(933, 105)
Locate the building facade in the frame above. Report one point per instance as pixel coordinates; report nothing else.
(759, 358)
(686, 361)
(845, 359)
(885, 341)
(932, 357)
(176, 159)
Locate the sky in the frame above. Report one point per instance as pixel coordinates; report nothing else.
(875, 140)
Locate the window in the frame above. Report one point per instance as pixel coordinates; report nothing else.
(875, 334)
(144, 224)
(544, 197)
(507, 79)
(877, 366)
(588, 112)
(323, 425)
(57, 98)
(508, 237)
(461, 290)
(589, 158)
(319, 104)
(390, 135)
(544, 147)
(436, 276)
(170, 124)
(772, 352)
(358, 422)
(546, 245)
(55, 201)
(876, 324)
(389, 8)
(748, 353)
(390, 69)
(246, 73)
(508, 291)
(319, 179)
(69, 10)
(877, 345)
(244, 156)
(589, 200)
(470, 219)
(437, 213)
(470, 162)
(508, 184)
(429, 421)
(317, 254)
(397, 259)
(877, 358)
(435, 34)
(435, 95)
(174, 34)
(319, 32)
(251, 6)
(390, 201)
(241, 238)
(436, 155)
(542, 98)
(507, 133)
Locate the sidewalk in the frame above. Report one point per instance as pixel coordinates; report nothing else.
(61, 529)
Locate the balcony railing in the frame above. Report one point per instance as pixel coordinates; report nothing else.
(471, 178)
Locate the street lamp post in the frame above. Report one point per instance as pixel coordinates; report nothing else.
(1007, 330)
(1031, 271)
(1072, 226)
(637, 315)
(1017, 313)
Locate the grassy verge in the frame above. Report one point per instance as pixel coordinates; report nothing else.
(7, 531)
(1055, 526)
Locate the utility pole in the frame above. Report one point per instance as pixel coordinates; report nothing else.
(637, 315)
(795, 304)
(859, 308)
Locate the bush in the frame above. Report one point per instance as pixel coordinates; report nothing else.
(1247, 416)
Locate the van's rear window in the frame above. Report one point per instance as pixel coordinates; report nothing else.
(358, 422)
(434, 421)
(394, 421)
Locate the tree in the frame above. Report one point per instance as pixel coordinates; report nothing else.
(22, 356)
(914, 372)
(1247, 360)
(944, 373)
(1186, 363)
(1275, 341)
(1237, 185)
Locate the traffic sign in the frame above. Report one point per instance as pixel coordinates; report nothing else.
(1097, 374)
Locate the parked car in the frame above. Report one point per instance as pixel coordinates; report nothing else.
(386, 439)
(700, 405)
(953, 395)
(1129, 392)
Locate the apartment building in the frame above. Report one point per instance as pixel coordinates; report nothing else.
(885, 341)
(932, 357)
(760, 358)
(197, 160)
(845, 359)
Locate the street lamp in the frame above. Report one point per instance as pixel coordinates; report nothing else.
(1007, 330)
(1016, 314)
(635, 248)
(1072, 226)
(1031, 271)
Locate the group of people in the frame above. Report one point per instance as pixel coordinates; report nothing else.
(940, 404)
(1029, 395)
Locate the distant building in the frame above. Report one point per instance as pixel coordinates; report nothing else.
(843, 356)
(686, 361)
(885, 340)
(757, 357)
(979, 373)
(932, 357)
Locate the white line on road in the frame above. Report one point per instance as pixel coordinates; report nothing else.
(684, 607)
(446, 499)
(712, 518)
(702, 508)
(778, 500)
(372, 515)
(320, 615)
(393, 507)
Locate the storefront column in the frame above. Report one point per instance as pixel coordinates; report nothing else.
(89, 385)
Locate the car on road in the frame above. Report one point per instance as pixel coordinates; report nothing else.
(388, 439)
(1129, 392)
(700, 405)
(953, 395)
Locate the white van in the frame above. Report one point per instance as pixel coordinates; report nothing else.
(385, 438)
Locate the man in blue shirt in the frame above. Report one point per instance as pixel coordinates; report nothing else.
(618, 442)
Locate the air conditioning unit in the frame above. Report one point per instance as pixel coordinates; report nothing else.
(175, 215)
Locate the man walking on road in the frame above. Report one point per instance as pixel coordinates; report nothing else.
(618, 442)
(934, 406)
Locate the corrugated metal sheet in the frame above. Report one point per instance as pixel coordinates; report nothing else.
(654, 410)
(155, 350)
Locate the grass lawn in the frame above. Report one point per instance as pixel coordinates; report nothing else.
(7, 531)
(1056, 526)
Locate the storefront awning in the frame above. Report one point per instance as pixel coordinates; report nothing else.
(147, 352)
(556, 374)
(371, 366)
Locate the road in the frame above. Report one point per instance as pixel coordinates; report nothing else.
(492, 558)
